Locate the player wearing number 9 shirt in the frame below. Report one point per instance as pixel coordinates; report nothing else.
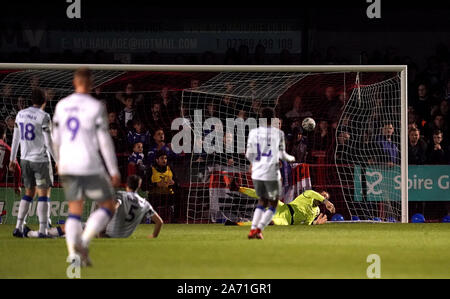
(265, 148)
(80, 134)
(32, 133)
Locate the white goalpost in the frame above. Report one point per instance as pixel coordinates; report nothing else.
(370, 145)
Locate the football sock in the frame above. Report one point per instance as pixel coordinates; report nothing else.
(73, 232)
(94, 225)
(266, 218)
(42, 213)
(49, 212)
(259, 211)
(23, 210)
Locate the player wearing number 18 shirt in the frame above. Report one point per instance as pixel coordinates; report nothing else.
(80, 134)
(32, 133)
(265, 148)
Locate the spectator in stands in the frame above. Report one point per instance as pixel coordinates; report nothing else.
(162, 190)
(296, 110)
(99, 95)
(169, 105)
(119, 142)
(7, 101)
(241, 112)
(296, 115)
(128, 113)
(139, 134)
(423, 102)
(159, 144)
(227, 104)
(387, 145)
(252, 87)
(333, 106)
(438, 123)
(49, 95)
(322, 136)
(414, 118)
(210, 110)
(299, 147)
(156, 120)
(5, 153)
(436, 152)
(195, 83)
(321, 142)
(129, 93)
(229, 87)
(112, 118)
(18, 105)
(10, 120)
(417, 148)
(136, 160)
(230, 156)
(342, 149)
(255, 109)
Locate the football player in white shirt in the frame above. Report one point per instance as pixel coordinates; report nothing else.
(265, 148)
(131, 209)
(80, 134)
(32, 133)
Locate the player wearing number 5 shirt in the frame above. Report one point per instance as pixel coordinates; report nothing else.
(32, 133)
(80, 136)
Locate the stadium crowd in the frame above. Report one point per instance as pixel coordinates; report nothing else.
(140, 122)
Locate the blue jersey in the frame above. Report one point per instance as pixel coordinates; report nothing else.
(134, 137)
(137, 158)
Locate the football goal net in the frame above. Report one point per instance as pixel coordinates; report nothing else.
(357, 152)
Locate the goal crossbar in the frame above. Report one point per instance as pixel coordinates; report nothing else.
(209, 68)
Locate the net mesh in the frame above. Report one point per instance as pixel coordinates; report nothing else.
(231, 102)
(343, 155)
(368, 151)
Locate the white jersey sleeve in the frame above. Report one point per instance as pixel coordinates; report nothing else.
(79, 134)
(30, 132)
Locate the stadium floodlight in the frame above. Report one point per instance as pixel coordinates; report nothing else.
(372, 124)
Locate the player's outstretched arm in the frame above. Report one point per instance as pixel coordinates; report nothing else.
(158, 224)
(286, 157)
(283, 154)
(48, 142)
(55, 137)
(321, 219)
(14, 148)
(330, 206)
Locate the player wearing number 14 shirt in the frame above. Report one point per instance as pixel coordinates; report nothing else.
(32, 133)
(265, 148)
(80, 134)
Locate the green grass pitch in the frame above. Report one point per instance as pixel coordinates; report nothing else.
(217, 251)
